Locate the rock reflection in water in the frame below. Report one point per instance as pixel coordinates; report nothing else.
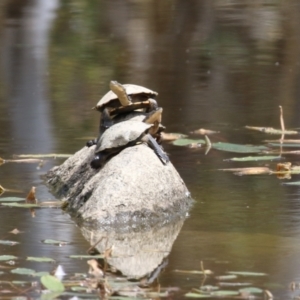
(137, 254)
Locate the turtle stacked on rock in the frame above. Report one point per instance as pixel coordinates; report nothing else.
(121, 100)
(129, 115)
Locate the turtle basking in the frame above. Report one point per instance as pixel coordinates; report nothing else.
(122, 99)
(122, 135)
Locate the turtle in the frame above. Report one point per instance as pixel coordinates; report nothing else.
(124, 94)
(122, 135)
(122, 99)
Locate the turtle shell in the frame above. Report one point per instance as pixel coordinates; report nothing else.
(131, 89)
(121, 134)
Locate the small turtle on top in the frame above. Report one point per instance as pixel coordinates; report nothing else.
(122, 99)
(123, 135)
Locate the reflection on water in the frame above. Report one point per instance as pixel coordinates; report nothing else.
(219, 65)
(135, 253)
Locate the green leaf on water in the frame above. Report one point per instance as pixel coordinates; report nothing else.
(10, 243)
(271, 130)
(186, 142)
(86, 256)
(11, 199)
(292, 183)
(55, 242)
(209, 288)
(23, 205)
(54, 295)
(225, 293)
(51, 283)
(247, 273)
(254, 158)
(21, 282)
(286, 145)
(23, 271)
(40, 274)
(40, 259)
(238, 148)
(196, 295)
(226, 277)
(251, 290)
(7, 257)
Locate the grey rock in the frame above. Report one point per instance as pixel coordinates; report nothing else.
(133, 188)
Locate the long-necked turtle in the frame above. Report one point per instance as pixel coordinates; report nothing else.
(121, 99)
(124, 94)
(122, 135)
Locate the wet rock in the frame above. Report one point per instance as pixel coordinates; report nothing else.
(134, 187)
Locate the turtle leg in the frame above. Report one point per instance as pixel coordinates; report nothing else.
(156, 148)
(99, 160)
(105, 122)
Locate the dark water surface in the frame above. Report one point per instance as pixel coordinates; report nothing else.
(218, 65)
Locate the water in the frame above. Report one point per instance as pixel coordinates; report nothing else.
(216, 65)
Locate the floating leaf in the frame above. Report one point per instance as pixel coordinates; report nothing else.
(11, 199)
(203, 131)
(225, 293)
(234, 284)
(26, 160)
(24, 205)
(287, 145)
(226, 277)
(86, 256)
(7, 257)
(50, 155)
(208, 288)
(15, 231)
(172, 136)
(229, 147)
(55, 242)
(292, 183)
(52, 283)
(283, 141)
(207, 272)
(40, 274)
(247, 273)
(186, 142)
(21, 282)
(40, 259)
(254, 158)
(78, 288)
(10, 243)
(271, 130)
(196, 295)
(251, 290)
(249, 171)
(23, 271)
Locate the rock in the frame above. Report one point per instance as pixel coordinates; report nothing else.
(133, 187)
